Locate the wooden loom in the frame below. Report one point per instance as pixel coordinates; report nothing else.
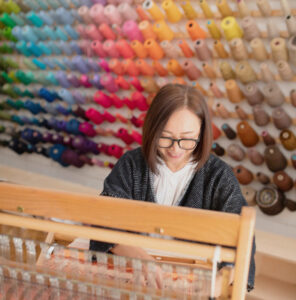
(40, 210)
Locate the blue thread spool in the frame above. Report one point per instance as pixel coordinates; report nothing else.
(55, 153)
(80, 64)
(46, 50)
(46, 18)
(61, 34)
(93, 65)
(61, 125)
(34, 49)
(47, 95)
(66, 96)
(39, 33)
(75, 48)
(54, 48)
(64, 3)
(34, 19)
(65, 48)
(73, 126)
(17, 119)
(39, 64)
(51, 109)
(62, 79)
(71, 32)
(49, 33)
(22, 48)
(59, 64)
(69, 64)
(32, 4)
(29, 34)
(18, 33)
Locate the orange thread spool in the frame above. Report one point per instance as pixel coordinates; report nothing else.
(175, 68)
(146, 29)
(154, 49)
(139, 49)
(116, 66)
(220, 50)
(130, 67)
(141, 13)
(159, 68)
(179, 80)
(187, 51)
(144, 67)
(107, 31)
(123, 84)
(233, 91)
(195, 31)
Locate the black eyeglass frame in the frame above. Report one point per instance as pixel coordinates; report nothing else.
(178, 141)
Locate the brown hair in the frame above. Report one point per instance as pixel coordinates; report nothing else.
(170, 98)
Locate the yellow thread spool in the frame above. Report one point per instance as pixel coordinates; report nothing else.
(213, 29)
(153, 10)
(231, 28)
(226, 70)
(233, 91)
(163, 31)
(220, 50)
(224, 8)
(172, 11)
(189, 11)
(206, 9)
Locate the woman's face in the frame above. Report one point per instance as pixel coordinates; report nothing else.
(183, 124)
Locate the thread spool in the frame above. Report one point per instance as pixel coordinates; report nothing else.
(107, 31)
(189, 11)
(113, 15)
(291, 24)
(288, 139)
(262, 178)
(261, 117)
(253, 94)
(243, 9)
(116, 66)
(161, 71)
(218, 150)
(147, 31)
(153, 10)
(195, 31)
(187, 51)
(244, 72)
(243, 175)
(83, 12)
(220, 50)
(273, 94)
(131, 30)
(270, 200)
(96, 14)
(258, 49)
(124, 49)
(274, 158)
(127, 12)
(170, 50)
(144, 67)
(149, 85)
(264, 7)
(236, 152)
(122, 83)
(109, 46)
(251, 31)
(163, 31)
(130, 67)
(247, 134)
(249, 194)
(285, 7)
(213, 29)
(293, 159)
(293, 97)
(255, 157)
(272, 29)
(222, 111)
(226, 70)
(238, 49)
(202, 50)
(209, 70)
(284, 70)
(279, 50)
(281, 119)
(229, 132)
(172, 11)
(266, 74)
(231, 28)
(267, 138)
(215, 90)
(292, 49)
(109, 83)
(206, 9)
(224, 8)
(283, 181)
(139, 49)
(174, 67)
(233, 91)
(153, 48)
(191, 71)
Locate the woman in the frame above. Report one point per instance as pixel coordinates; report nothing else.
(174, 165)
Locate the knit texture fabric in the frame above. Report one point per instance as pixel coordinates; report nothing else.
(213, 187)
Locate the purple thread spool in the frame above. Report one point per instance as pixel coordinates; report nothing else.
(62, 79)
(67, 141)
(78, 97)
(79, 143)
(47, 137)
(73, 80)
(70, 157)
(80, 64)
(57, 139)
(109, 83)
(87, 129)
(61, 125)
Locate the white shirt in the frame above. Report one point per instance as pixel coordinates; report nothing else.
(169, 187)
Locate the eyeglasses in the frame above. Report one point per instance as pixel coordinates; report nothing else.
(185, 144)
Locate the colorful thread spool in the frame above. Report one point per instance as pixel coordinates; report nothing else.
(153, 10)
(154, 49)
(231, 28)
(195, 31)
(163, 31)
(172, 11)
(147, 30)
(139, 49)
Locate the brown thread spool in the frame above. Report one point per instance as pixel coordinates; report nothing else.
(265, 72)
(243, 9)
(229, 132)
(218, 150)
(267, 138)
(238, 49)
(202, 50)
(293, 97)
(264, 7)
(170, 50)
(215, 89)
(236, 152)
(255, 157)
(292, 49)
(278, 49)
(149, 85)
(263, 178)
(283, 181)
(270, 200)
(243, 175)
(291, 24)
(273, 94)
(233, 91)
(284, 70)
(222, 111)
(250, 28)
(258, 49)
(274, 158)
(191, 71)
(261, 117)
(244, 72)
(272, 29)
(293, 159)
(247, 134)
(226, 70)
(209, 70)
(281, 119)
(249, 194)
(253, 94)
(241, 113)
(220, 50)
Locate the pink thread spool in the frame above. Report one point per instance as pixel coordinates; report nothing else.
(97, 15)
(112, 13)
(94, 116)
(97, 48)
(117, 102)
(108, 117)
(129, 103)
(122, 83)
(85, 45)
(104, 65)
(83, 12)
(87, 129)
(85, 81)
(109, 83)
(140, 100)
(192, 72)
(123, 134)
(137, 84)
(115, 150)
(81, 31)
(109, 47)
(137, 137)
(125, 49)
(127, 12)
(131, 30)
(93, 33)
(102, 99)
(107, 31)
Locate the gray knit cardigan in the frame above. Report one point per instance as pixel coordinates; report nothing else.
(213, 187)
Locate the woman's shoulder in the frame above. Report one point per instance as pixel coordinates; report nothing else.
(216, 165)
(133, 157)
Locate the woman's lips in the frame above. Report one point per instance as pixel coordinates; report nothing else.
(174, 155)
